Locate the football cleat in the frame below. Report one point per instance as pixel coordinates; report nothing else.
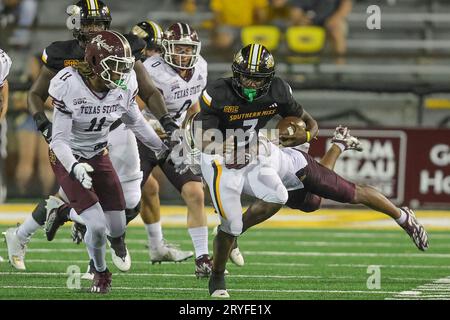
(216, 286)
(236, 257)
(16, 249)
(203, 266)
(414, 229)
(119, 253)
(89, 275)
(168, 252)
(101, 282)
(77, 232)
(343, 137)
(57, 215)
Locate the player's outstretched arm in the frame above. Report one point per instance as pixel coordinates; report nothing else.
(135, 121)
(153, 98)
(37, 96)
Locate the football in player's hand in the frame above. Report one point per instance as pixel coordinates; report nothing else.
(285, 125)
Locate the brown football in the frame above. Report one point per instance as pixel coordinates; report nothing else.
(285, 127)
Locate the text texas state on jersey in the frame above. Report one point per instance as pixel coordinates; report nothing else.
(179, 94)
(62, 54)
(91, 114)
(222, 108)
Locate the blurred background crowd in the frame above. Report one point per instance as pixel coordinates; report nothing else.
(340, 70)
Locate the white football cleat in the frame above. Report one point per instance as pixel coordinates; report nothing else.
(236, 257)
(89, 275)
(119, 253)
(220, 294)
(168, 252)
(16, 249)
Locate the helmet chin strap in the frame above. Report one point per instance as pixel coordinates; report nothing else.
(250, 94)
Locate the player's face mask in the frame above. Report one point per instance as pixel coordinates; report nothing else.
(250, 86)
(116, 71)
(180, 54)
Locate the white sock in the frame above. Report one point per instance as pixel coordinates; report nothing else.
(155, 235)
(199, 236)
(27, 229)
(98, 255)
(340, 146)
(95, 237)
(402, 218)
(74, 216)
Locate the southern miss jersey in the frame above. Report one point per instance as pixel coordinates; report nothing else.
(91, 114)
(62, 54)
(179, 94)
(5, 66)
(222, 108)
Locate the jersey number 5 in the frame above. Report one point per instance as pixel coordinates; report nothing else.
(94, 122)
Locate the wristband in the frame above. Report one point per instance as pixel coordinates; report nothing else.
(308, 136)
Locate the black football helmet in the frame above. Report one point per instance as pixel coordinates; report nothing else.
(151, 32)
(89, 12)
(253, 70)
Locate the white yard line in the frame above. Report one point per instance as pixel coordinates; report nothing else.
(205, 290)
(286, 253)
(278, 242)
(439, 288)
(190, 275)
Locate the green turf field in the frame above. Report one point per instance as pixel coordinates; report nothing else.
(280, 264)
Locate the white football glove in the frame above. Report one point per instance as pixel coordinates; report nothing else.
(81, 173)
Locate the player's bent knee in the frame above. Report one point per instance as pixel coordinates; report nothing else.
(279, 197)
(192, 192)
(233, 228)
(132, 199)
(312, 203)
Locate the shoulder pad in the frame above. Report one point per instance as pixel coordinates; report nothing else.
(280, 90)
(61, 54)
(221, 93)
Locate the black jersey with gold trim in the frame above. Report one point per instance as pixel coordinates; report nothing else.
(222, 108)
(61, 54)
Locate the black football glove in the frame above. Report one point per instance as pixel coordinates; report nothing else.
(168, 124)
(43, 125)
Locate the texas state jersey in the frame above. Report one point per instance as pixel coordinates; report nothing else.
(5, 66)
(92, 114)
(179, 94)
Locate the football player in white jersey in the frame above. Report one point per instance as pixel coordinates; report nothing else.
(85, 108)
(5, 66)
(150, 211)
(180, 74)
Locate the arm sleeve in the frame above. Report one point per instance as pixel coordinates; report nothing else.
(136, 122)
(62, 127)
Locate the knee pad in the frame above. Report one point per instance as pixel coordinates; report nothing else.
(280, 196)
(233, 228)
(311, 203)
